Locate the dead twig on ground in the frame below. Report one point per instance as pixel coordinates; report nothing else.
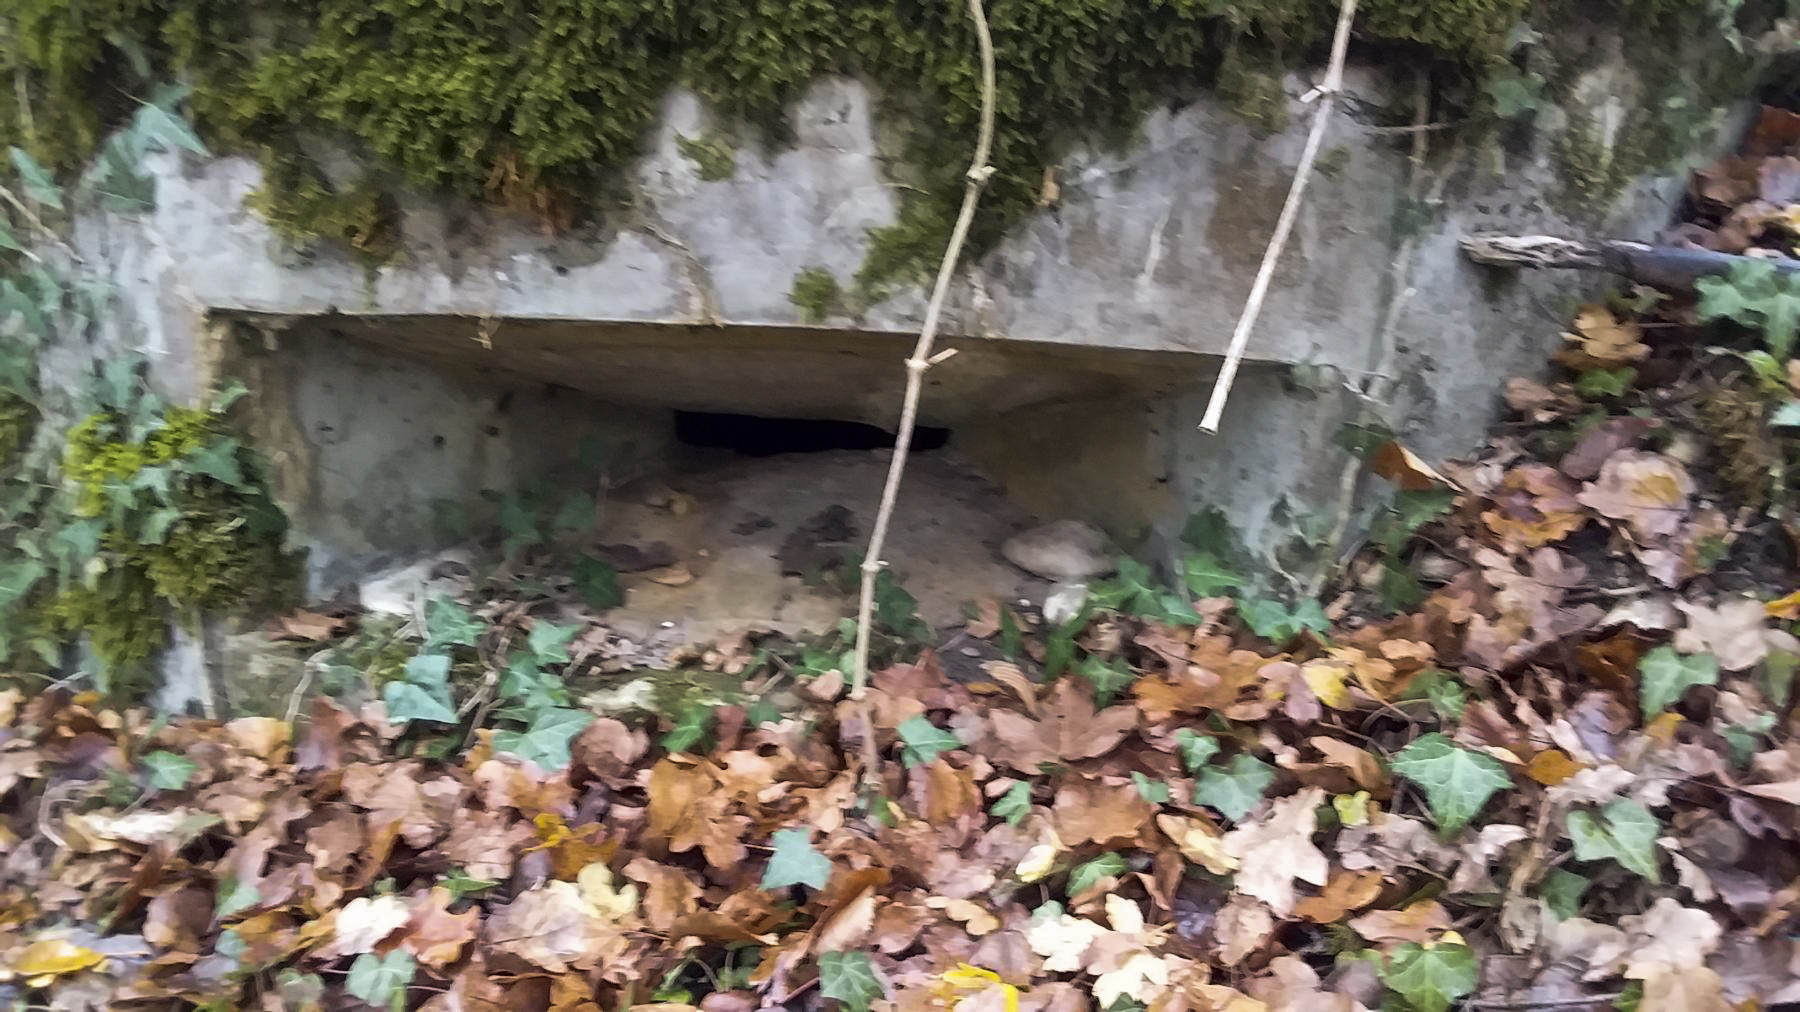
(1326, 94)
(921, 360)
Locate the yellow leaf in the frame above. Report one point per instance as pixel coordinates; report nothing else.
(1662, 729)
(1326, 679)
(1037, 863)
(1784, 607)
(964, 975)
(1352, 809)
(596, 885)
(53, 957)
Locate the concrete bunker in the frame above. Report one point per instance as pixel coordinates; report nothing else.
(727, 467)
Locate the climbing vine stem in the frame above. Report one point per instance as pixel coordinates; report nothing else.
(1326, 94)
(921, 360)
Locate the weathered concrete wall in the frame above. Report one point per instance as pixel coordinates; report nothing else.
(1089, 334)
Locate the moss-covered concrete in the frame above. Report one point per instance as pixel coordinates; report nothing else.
(536, 106)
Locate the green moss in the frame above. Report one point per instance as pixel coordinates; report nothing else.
(179, 537)
(538, 105)
(303, 209)
(714, 157)
(18, 419)
(815, 293)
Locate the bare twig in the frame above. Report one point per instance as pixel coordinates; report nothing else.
(921, 360)
(1327, 94)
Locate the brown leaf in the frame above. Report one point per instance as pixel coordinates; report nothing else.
(263, 737)
(1534, 505)
(1243, 925)
(1646, 490)
(1682, 989)
(434, 935)
(1405, 469)
(1344, 892)
(1602, 340)
(669, 894)
(1421, 922)
(1088, 811)
(308, 626)
(1275, 851)
(553, 927)
(1067, 729)
(1602, 441)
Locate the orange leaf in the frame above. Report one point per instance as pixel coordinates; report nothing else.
(1552, 766)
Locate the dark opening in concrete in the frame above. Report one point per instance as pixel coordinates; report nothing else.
(760, 436)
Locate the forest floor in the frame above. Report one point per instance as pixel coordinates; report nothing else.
(1536, 751)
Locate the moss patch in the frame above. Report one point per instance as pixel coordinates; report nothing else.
(537, 106)
(184, 525)
(815, 293)
(713, 157)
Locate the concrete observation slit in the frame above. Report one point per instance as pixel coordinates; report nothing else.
(745, 458)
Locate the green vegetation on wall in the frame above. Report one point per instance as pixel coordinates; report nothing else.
(119, 513)
(536, 104)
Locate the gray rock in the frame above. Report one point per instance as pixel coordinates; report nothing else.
(1066, 551)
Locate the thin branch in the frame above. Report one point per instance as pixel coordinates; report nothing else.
(921, 360)
(1327, 95)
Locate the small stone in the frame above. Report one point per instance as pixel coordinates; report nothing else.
(1064, 603)
(1066, 551)
(671, 576)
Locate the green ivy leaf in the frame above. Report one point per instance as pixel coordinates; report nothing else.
(461, 884)
(1441, 689)
(166, 771)
(160, 126)
(1108, 865)
(1154, 791)
(796, 862)
(1663, 675)
(1236, 790)
(549, 642)
(1014, 805)
(234, 897)
(38, 184)
(218, 459)
(1207, 576)
(1431, 977)
(598, 583)
(924, 741)
(1279, 623)
(1108, 679)
(1196, 749)
(448, 623)
(377, 979)
(849, 979)
(411, 701)
(546, 741)
(1562, 892)
(691, 728)
(1457, 781)
(1624, 831)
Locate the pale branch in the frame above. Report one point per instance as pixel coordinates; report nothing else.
(1326, 94)
(921, 360)
(1673, 268)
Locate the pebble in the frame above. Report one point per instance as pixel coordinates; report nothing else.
(1064, 551)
